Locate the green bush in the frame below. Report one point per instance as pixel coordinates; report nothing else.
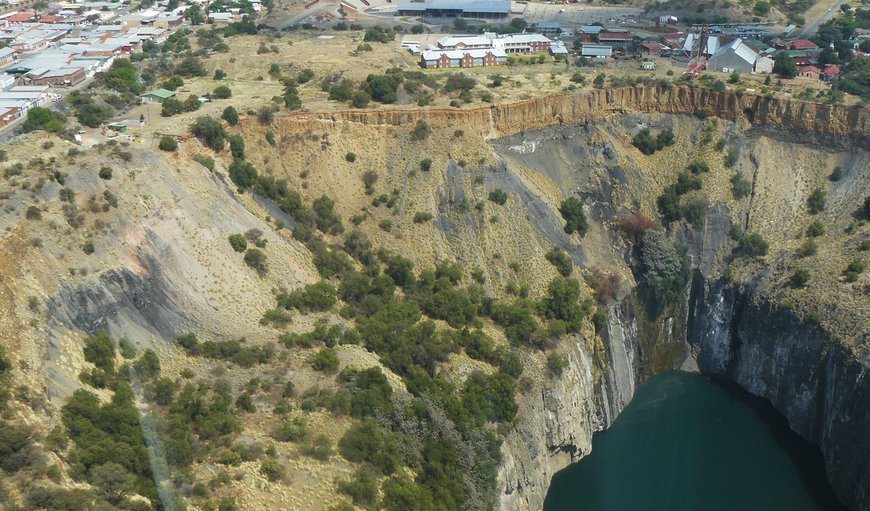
(105, 173)
(498, 196)
(242, 173)
(222, 92)
(808, 248)
(238, 242)
(854, 270)
(209, 132)
(272, 470)
(326, 360)
(647, 144)
(426, 164)
(816, 201)
(753, 245)
(732, 156)
(561, 261)
(319, 448)
(167, 143)
(231, 115)
(293, 430)
(362, 488)
(256, 260)
(421, 131)
(422, 217)
(366, 442)
(556, 363)
(799, 278)
(836, 174)
(816, 229)
(575, 220)
(319, 296)
(740, 186)
(88, 247)
(698, 166)
(665, 269)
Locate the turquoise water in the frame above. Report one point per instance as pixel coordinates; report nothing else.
(686, 443)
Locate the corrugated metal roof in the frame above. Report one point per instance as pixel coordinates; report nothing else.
(492, 6)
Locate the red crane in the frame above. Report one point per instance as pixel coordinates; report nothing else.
(698, 62)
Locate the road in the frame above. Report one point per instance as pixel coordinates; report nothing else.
(812, 25)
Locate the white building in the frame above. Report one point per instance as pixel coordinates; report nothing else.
(740, 57)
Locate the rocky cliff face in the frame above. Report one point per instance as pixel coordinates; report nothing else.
(826, 122)
(821, 386)
(814, 378)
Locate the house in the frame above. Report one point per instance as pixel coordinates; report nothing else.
(167, 22)
(652, 46)
(830, 72)
(779, 44)
(596, 51)
(6, 81)
(734, 56)
(7, 56)
(810, 72)
(63, 76)
(53, 18)
(221, 19)
(802, 44)
(8, 115)
(648, 65)
(157, 96)
(764, 63)
(445, 59)
(558, 48)
(21, 17)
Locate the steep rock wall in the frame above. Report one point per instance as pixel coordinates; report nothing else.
(821, 386)
(825, 122)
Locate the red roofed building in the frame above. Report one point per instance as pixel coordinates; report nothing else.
(615, 37)
(803, 44)
(831, 72)
(810, 72)
(51, 19)
(653, 46)
(21, 17)
(801, 61)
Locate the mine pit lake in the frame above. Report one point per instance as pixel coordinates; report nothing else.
(686, 442)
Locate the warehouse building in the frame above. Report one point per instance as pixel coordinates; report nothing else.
(476, 9)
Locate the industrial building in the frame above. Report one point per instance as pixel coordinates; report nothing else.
(476, 9)
(596, 51)
(738, 56)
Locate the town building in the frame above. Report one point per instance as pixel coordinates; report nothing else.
(802, 44)
(596, 51)
(157, 96)
(522, 43)
(810, 72)
(558, 48)
(59, 77)
(476, 9)
(740, 57)
(7, 56)
(445, 59)
(464, 42)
